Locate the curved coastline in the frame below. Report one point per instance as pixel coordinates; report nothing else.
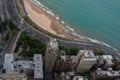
(67, 28)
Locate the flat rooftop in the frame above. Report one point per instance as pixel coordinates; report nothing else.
(108, 73)
(53, 43)
(23, 63)
(8, 63)
(38, 70)
(88, 55)
(108, 59)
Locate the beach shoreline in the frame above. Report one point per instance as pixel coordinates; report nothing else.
(48, 21)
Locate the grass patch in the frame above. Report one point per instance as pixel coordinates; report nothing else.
(7, 36)
(69, 51)
(12, 27)
(29, 46)
(3, 26)
(98, 52)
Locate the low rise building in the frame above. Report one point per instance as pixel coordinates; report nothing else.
(80, 78)
(21, 69)
(116, 65)
(70, 75)
(9, 71)
(25, 66)
(38, 70)
(8, 62)
(108, 61)
(109, 74)
(64, 76)
(13, 76)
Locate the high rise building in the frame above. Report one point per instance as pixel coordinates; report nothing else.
(86, 60)
(51, 55)
(66, 62)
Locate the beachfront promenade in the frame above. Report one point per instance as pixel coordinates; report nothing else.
(14, 15)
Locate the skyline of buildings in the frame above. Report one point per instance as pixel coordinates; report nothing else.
(56, 65)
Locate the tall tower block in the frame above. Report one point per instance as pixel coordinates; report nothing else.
(51, 55)
(86, 60)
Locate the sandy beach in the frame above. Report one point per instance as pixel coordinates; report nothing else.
(45, 20)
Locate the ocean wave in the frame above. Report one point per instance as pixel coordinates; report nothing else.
(67, 28)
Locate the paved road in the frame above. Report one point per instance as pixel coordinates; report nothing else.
(10, 47)
(13, 14)
(43, 37)
(3, 34)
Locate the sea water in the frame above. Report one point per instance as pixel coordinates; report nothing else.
(97, 19)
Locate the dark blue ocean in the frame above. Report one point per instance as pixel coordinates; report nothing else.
(97, 19)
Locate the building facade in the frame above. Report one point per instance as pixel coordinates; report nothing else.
(51, 55)
(86, 60)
